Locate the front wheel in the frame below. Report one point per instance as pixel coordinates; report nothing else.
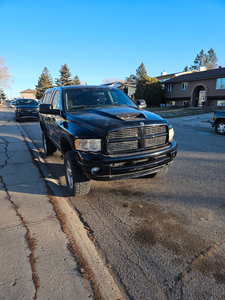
(78, 184)
(220, 127)
(159, 174)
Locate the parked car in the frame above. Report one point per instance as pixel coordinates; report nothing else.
(104, 135)
(13, 103)
(26, 109)
(218, 121)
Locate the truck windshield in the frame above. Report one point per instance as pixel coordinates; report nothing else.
(75, 98)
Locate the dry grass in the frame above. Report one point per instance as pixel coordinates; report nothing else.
(174, 112)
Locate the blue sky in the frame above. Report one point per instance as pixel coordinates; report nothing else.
(100, 39)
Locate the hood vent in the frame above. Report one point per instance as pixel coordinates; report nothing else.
(131, 116)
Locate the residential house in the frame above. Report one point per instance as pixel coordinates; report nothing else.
(28, 94)
(128, 87)
(204, 88)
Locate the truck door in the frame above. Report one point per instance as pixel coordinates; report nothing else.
(54, 124)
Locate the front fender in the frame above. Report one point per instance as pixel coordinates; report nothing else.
(72, 131)
(66, 142)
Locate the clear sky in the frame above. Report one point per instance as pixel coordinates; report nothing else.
(100, 39)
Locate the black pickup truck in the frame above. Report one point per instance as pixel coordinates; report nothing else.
(104, 135)
(218, 121)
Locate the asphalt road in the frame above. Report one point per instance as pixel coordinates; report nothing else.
(160, 238)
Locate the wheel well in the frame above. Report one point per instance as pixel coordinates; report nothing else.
(219, 119)
(42, 126)
(65, 146)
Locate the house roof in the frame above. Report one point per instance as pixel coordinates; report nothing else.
(118, 84)
(214, 73)
(170, 76)
(29, 91)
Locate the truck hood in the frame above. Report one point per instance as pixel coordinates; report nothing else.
(106, 118)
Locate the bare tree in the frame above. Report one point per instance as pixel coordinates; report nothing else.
(5, 77)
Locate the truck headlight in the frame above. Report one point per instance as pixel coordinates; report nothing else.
(171, 133)
(88, 145)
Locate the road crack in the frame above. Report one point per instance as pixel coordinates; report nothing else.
(6, 152)
(30, 241)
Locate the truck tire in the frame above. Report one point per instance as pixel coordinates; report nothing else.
(220, 127)
(78, 184)
(159, 174)
(48, 146)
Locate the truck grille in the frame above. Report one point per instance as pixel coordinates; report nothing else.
(136, 139)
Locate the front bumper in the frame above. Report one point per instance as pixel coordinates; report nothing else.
(27, 115)
(212, 123)
(124, 167)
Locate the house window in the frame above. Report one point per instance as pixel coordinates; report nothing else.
(220, 83)
(170, 87)
(184, 85)
(172, 103)
(221, 103)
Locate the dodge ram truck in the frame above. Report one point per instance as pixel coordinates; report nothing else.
(102, 134)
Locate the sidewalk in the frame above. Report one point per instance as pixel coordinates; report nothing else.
(38, 240)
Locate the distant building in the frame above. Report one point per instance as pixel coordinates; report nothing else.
(28, 94)
(203, 88)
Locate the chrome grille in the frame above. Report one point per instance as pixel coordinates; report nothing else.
(131, 140)
(153, 130)
(123, 146)
(155, 141)
(123, 134)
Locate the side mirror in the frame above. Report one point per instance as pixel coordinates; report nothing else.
(141, 103)
(45, 108)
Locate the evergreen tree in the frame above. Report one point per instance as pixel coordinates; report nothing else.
(149, 89)
(203, 60)
(141, 72)
(212, 60)
(199, 61)
(76, 81)
(65, 77)
(44, 83)
(185, 69)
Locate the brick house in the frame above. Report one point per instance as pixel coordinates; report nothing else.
(204, 88)
(28, 94)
